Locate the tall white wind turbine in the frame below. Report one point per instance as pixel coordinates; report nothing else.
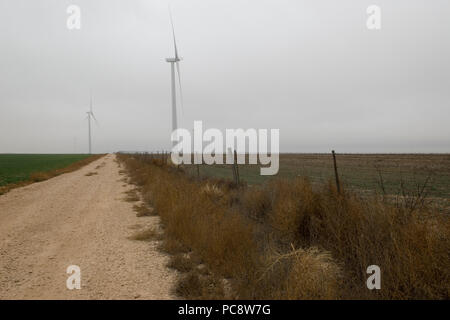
(90, 114)
(175, 62)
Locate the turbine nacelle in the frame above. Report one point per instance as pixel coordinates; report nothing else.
(173, 60)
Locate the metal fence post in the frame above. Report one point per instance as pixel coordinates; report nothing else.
(338, 185)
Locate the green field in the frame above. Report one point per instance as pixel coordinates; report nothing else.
(357, 171)
(18, 167)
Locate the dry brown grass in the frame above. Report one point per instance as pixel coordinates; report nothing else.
(144, 210)
(40, 176)
(196, 286)
(336, 237)
(132, 196)
(172, 246)
(412, 248)
(181, 262)
(147, 235)
(301, 274)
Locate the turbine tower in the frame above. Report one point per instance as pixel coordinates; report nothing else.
(175, 62)
(90, 114)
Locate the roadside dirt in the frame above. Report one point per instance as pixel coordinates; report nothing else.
(74, 219)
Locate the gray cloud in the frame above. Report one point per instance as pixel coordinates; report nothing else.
(309, 68)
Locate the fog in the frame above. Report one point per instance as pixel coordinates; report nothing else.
(309, 68)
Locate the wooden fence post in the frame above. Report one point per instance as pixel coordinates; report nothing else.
(233, 169)
(236, 169)
(338, 185)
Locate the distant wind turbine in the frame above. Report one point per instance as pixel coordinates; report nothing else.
(90, 114)
(175, 62)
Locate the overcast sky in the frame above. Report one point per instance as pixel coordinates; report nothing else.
(310, 68)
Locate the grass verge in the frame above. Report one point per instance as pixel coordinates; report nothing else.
(146, 235)
(289, 240)
(45, 175)
(144, 210)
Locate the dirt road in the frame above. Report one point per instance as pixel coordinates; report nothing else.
(81, 220)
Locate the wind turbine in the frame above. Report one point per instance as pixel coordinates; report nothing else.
(90, 114)
(175, 62)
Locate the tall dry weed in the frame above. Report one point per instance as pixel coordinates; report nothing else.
(338, 235)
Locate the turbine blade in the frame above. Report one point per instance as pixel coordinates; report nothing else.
(95, 119)
(181, 89)
(173, 32)
(92, 112)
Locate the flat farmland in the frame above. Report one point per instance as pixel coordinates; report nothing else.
(15, 168)
(363, 172)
